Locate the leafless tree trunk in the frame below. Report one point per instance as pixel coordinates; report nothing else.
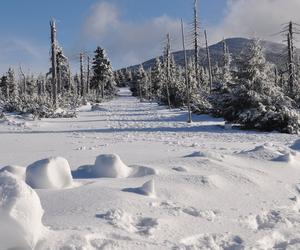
(291, 63)
(82, 89)
(186, 76)
(54, 62)
(168, 62)
(88, 76)
(196, 41)
(209, 62)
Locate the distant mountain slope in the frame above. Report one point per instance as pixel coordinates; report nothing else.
(274, 52)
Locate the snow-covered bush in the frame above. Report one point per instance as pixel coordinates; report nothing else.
(254, 101)
(20, 214)
(40, 107)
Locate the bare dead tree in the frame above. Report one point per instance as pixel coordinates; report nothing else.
(88, 76)
(167, 58)
(196, 38)
(188, 91)
(82, 88)
(290, 32)
(23, 88)
(54, 62)
(208, 62)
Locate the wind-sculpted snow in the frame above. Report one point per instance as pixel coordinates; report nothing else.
(147, 189)
(20, 214)
(111, 166)
(49, 173)
(16, 170)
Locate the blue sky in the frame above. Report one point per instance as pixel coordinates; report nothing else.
(24, 25)
(130, 30)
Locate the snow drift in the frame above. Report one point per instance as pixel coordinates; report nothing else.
(51, 173)
(16, 170)
(148, 189)
(110, 166)
(20, 214)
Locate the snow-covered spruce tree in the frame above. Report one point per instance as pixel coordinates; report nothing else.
(198, 94)
(254, 101)
(157, 80)
(226, 75)
(103, 78)
(13, 88)
(5, 87)
(177, 88)
(63, 68)
(139, 85)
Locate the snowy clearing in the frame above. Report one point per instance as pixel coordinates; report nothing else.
(179, 185)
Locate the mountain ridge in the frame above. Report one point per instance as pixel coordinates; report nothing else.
(274, 52)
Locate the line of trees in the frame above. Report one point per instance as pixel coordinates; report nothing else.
(251, 92)
(58, 93)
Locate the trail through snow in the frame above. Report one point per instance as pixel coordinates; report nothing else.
(215, 188)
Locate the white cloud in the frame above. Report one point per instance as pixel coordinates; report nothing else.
(256, 18)
(129, 43)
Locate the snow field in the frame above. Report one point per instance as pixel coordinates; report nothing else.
(214, 188)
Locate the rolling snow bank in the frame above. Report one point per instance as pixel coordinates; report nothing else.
(51, 173)
(110, 166)
(16, 170)
(20, 214)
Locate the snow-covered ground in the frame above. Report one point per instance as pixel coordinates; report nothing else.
(180, 186)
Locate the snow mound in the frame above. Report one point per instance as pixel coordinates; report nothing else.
(214, 241)
(288, 158)
(214, 156)
(296, 145)
(20, 214)
(110, 166)
(267, 151)
(140, 171)
(15, 170)
(51, 173)
(148, 189)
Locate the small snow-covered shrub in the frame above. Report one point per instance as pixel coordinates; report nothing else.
(51, 173)
(20, 214)
(40, 107)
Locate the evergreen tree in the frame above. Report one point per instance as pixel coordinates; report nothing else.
(139, 86)
(12, 85)
(226, 75)
(255, 101)
(157, 80)
(103, 77)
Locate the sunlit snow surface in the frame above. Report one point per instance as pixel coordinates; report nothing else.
(214, 188)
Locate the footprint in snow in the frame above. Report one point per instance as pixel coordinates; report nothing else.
(120, 219)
